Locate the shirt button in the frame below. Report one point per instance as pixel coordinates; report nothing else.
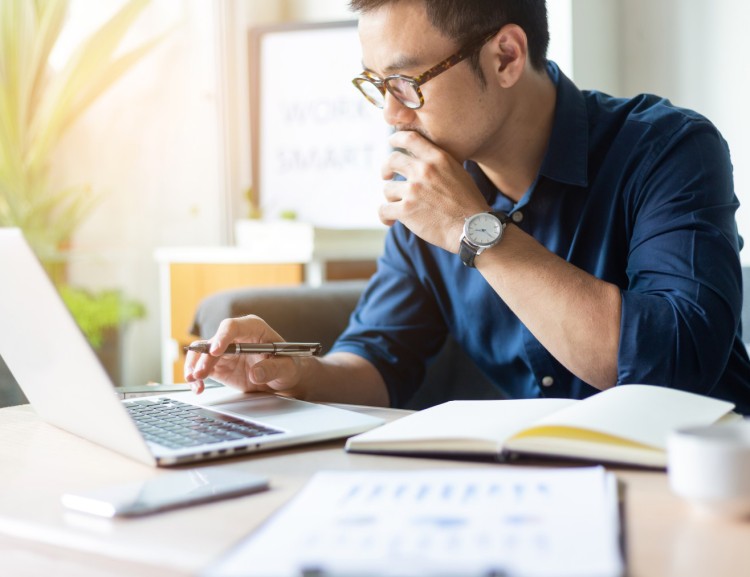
(548, 381)
(517, 216)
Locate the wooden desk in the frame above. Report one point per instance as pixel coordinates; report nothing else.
(665, 538)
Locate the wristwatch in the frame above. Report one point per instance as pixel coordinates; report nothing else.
(481, 231)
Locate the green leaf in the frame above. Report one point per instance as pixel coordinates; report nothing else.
(96, 313)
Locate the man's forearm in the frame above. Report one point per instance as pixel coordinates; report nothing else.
(342, 378)
(574, 315)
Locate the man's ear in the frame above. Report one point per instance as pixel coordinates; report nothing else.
(509, 54)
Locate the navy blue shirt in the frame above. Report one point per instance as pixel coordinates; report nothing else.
(636, 192)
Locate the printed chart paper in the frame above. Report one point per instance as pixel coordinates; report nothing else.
(505, 521)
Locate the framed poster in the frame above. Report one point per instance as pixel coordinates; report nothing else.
(317, 144)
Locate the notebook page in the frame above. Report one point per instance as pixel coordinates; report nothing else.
(642, 414)
(461, 423)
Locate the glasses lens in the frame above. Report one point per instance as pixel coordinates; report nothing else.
(371, 92)
(405, 90)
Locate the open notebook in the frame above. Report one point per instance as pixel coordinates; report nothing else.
(627, 424)
(67, 386)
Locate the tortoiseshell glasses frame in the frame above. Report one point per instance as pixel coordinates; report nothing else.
(405, 89)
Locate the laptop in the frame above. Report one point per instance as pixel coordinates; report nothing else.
(67, 386)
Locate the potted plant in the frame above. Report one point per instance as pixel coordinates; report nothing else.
(102, 316)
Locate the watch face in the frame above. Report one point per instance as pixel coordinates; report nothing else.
(483, 229)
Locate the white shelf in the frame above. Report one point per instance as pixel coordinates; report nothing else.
(274, 244)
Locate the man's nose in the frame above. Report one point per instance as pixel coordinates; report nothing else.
(394, 112)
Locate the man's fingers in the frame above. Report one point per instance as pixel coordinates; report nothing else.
(201, 368)
(191, 360)
(412, 143)
(387, 213)
(397, 163)
(273, 371)
(235, 330)
(393, 190)
(250, 328)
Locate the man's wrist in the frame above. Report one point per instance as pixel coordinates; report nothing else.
(481, 231)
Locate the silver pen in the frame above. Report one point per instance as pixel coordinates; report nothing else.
(279, 349)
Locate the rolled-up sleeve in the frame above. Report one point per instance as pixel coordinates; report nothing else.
(397, 325)
(681, 307)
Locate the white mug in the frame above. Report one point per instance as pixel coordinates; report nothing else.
(710, 466)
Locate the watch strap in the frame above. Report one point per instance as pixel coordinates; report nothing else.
(503, 217)
(467, 252)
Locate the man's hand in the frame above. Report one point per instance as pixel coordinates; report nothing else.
(437, 195)
(247, 372)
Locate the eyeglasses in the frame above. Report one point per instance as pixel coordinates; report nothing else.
(405, 89)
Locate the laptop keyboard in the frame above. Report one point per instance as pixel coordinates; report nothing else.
(177, 425)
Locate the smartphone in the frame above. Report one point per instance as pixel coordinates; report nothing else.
(165, 491)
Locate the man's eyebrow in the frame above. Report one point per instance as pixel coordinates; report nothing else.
(398, 64)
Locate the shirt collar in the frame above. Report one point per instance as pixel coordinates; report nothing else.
(566, 159)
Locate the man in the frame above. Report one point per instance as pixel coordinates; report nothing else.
(610, 255)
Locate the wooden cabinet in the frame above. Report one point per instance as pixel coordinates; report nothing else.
(190, 283)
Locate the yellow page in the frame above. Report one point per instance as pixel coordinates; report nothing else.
(459, 425)
(630, 415)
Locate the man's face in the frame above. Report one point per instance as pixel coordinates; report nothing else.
(399, 39)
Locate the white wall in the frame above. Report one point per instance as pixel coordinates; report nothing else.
(595, 32)
(695, 53)
(560, 15)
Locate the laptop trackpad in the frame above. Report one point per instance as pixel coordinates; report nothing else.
(290, 415)
(263, 406)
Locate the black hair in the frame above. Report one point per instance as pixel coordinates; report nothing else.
(466, 21)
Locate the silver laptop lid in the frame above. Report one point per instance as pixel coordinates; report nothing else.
(52, 360)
